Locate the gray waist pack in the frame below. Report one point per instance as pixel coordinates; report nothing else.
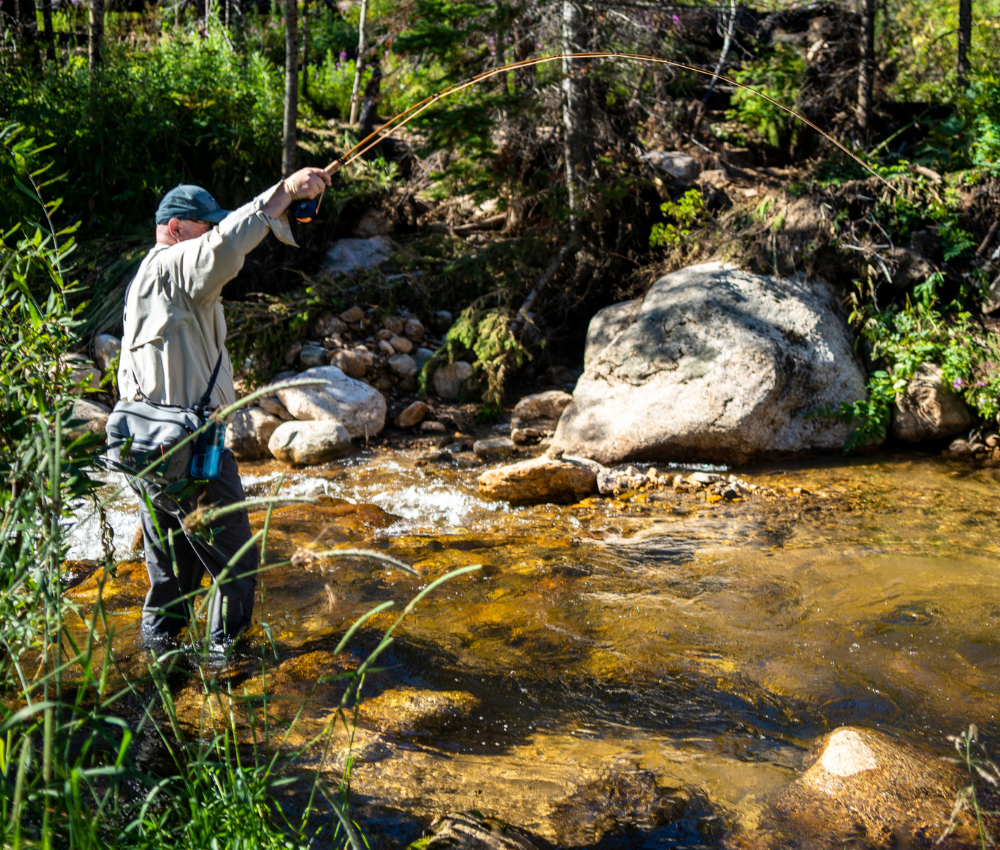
(142, 431)
(139, 433)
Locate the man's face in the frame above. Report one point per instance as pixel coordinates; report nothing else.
(182, 229)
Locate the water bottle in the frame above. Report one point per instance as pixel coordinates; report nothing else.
(207, 459)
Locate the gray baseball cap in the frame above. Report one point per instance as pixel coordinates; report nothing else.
(189, 202)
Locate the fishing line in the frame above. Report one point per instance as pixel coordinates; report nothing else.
(305, 211)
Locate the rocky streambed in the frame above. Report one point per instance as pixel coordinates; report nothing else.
(667, 665)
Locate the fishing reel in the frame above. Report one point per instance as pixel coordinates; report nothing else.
(305, 211)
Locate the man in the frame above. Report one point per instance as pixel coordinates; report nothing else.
(175, 334)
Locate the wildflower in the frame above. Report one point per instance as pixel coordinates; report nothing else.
(677, 21)
(958, 384)
(343, 55)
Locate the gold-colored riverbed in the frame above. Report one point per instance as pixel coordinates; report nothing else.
(649, 650)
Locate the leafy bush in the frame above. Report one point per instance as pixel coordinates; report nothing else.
(778, 76)
(188, 110)
(688, 212)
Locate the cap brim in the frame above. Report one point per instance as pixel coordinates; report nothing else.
(215, 217)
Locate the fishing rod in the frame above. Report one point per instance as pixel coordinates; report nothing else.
(305, 211)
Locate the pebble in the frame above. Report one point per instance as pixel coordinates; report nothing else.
(402, 365)
(433, 427)
(414, 330)
(349, 362)
(412, 415)
(385, 334)
(386, 348)
(292, 354)
(394, 324)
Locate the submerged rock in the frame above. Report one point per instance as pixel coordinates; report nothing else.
(541, 479)
(471, 831)
(929, 409)
(495, 448)
(249, 431)
(309, 442)
(719, 365)
(357, 406)
(862, 788)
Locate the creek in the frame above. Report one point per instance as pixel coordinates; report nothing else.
(624, 672)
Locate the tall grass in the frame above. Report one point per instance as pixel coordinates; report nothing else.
(74, 723)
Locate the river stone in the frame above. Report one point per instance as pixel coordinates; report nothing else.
(496, 448)
(347, 256)
(441, 321)
(93, 414)
(82, 373)
(352, 315)
(401, 344)
(402, 365)
(471, 831)
(451, 379)
(292, 354)
(312, 355)
(359, 407)
(421, 356)
(862, 784)
(414, 330)
(413, 415)
(271, 404)
(349, 362)
(309, 442)
(540, 411)
(929, 409)
(249, 431)
(106, 347)
(719, 365)
(605, 326)
(680, 166)
(331, 326)
(541, 479)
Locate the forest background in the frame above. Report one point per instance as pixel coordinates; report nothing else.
(126, 101)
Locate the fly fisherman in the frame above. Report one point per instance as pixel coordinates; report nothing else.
(173, 356)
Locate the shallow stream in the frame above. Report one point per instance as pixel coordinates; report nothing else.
(673, 657)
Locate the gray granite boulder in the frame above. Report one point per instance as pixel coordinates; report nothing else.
(718, 365)
(356, 405)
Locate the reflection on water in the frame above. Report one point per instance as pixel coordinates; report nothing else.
(702, 646)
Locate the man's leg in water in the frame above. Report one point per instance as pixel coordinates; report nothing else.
(232, 605)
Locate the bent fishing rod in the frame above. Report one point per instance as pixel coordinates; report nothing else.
(305, 211)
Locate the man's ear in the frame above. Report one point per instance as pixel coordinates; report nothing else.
(174, 228)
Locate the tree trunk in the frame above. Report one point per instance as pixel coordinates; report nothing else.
(238, 19)
(577, 138)
(524, 43)
(95, 34)
(305, 47)
(49, 34)
(359, 65)
(291, 88)
(964, 41)
(369, 109)
(866, 66)
(27, 24)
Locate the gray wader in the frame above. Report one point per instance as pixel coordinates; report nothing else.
(177, 561)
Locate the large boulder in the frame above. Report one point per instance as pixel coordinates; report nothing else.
(347, 256)
(248, 432)
(605, 326)
(356, 405)
(309, 442)
(106, 347)
(861, 784)
(929, 409)
(541, 479)
(718, 365)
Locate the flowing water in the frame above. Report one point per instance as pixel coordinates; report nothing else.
(640, 670)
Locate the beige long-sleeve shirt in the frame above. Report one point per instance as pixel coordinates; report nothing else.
(175, 326)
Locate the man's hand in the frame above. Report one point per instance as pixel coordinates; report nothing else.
(305, 184)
